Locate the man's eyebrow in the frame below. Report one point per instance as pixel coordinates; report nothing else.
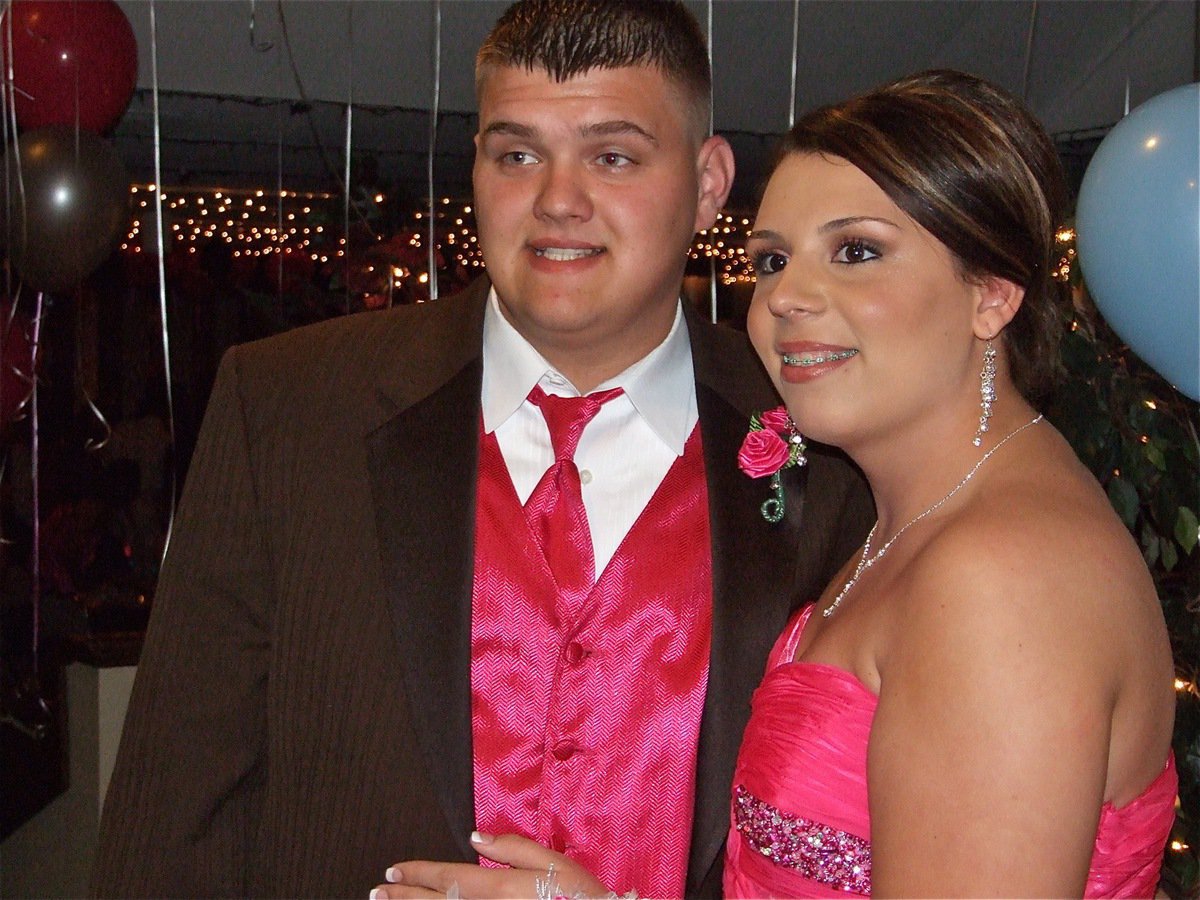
(610, 128)
(513, 129)
(616, 127)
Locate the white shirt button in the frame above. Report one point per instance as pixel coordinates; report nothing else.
(585, 476)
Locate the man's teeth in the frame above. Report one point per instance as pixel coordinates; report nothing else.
(563, 254)
(815, 359)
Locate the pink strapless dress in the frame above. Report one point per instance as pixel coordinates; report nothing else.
(800, 822)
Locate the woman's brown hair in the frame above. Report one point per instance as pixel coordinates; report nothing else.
(971, 164)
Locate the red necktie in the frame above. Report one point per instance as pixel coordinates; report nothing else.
(555, 508)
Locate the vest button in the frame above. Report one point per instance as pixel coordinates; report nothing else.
(574, 653)
(564, 750)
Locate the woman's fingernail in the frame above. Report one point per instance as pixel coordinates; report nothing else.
(393, 875)
(479, 837)
(376, 894)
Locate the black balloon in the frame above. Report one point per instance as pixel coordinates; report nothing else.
(75, 206)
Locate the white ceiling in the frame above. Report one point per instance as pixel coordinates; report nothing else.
(216, 76)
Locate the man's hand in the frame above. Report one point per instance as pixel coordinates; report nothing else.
(530, 874)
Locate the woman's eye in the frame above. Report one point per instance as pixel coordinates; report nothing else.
(768, 262)
(855, 251)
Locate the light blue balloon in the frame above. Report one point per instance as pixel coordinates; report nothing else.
(1138, 233)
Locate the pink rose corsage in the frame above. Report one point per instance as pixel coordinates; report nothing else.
(772, 445)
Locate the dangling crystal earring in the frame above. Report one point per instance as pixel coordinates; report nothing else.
(987, 390)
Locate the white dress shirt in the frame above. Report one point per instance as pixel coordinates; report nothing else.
(624, 452)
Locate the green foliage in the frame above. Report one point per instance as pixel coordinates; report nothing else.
(1139, 437)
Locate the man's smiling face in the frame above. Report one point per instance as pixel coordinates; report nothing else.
(588, 192)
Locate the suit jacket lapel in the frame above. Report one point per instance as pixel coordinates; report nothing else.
(423, 459)
(752, 563)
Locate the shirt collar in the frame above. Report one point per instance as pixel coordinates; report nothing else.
(654, 384)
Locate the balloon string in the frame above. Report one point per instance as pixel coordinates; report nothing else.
(1128, 51)
(38, 730)
(162, 270)
(795, 51)
(19, 409)
(90, 444)
(4, 541)
(712, 261)
(8, 291)
(10, 122)
(1033, 16)
(433, 130)
(12, 161)
(265, 45)
(312, 126)
(1195, 41)
(708, 18)
(75, 67)
(12, 313)
(712, 288)
(93, 443)
(349, 132)
(279, 188)
(35, 479)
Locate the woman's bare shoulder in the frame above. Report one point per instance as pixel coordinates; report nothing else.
(1036, 553)
(1037, 536)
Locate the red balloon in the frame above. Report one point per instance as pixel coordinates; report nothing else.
(72, 60)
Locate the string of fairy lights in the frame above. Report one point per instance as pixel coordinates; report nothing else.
(725, 243)
(254, 222)
(257, 223)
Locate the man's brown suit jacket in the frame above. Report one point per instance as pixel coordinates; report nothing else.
(301, 717)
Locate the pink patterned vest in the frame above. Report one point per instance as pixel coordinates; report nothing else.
(585, 721)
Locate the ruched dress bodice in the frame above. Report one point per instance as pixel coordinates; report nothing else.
(800, 824)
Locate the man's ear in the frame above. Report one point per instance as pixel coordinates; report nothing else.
(715, 168)
(997, 301)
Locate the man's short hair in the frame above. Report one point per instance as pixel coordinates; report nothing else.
(568, 38)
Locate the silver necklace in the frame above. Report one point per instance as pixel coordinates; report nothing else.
(866, 560)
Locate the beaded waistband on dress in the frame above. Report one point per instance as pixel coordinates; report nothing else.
(817, 851)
